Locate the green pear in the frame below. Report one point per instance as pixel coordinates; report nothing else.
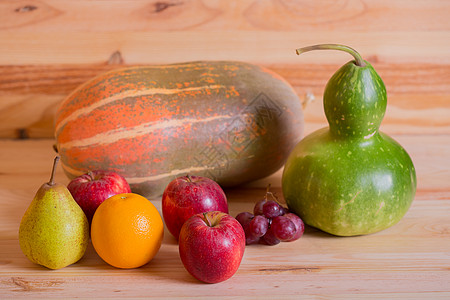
(54, 231)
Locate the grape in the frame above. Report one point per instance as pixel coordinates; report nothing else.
(271, 209)
(283, 210)
(244, 218)
(283, 228)
(270, 223)
(299, 226)
(258, 209)
(269, 238)
(250, 238)
(258, 226)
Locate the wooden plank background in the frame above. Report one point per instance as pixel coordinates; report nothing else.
(49, 47)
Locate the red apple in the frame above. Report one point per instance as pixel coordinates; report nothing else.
(91, 189)
(211, 246)
(189, 195)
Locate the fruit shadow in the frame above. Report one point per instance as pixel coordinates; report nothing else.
(167, 263)
(250, 195)
(315, 232)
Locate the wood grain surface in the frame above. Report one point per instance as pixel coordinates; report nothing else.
(51, 31)
(49, 47)
(409, 260)
(418, 95)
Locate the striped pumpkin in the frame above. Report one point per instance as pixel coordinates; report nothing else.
(230, 121)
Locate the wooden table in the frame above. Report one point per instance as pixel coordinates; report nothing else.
(410, 259)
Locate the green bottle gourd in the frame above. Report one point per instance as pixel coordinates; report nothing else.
(349, 178)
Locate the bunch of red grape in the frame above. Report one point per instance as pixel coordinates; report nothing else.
(270, 223)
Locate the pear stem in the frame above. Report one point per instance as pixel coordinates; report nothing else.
(55, 163)
(359, 60)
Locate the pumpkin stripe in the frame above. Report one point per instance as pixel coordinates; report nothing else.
(113, 136)
(129, 93)
(138, 110)
(139, 152)
(137, 180)
(146, 109)
(233, 122)
(173, 66)
(138, 78)
(72, 171)
(147, 154)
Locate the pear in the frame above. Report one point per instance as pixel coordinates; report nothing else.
(54, 231)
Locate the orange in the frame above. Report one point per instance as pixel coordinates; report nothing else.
(127, 231)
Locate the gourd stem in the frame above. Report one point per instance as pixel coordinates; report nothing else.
(55, 162)
(359, 60)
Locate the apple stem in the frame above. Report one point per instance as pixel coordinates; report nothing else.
(55, 162)
(207, 220)
(90, 175)
(189, 178)
(359, 60)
